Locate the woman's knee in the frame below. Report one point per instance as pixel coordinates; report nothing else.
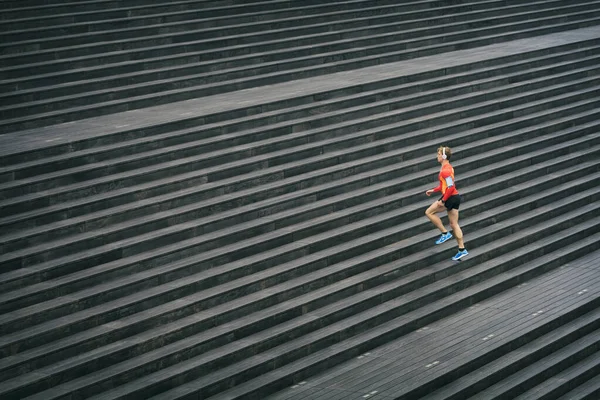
(453, 221)
(431, 212)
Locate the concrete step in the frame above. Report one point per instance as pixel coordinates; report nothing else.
(259, 41)
(440, 352)
(349, 26)
(235, 128)
(27, 360)
(234, 119)
(586, 391)
(23, 297)
(92, 10)
(537, 354)
(562, 382)
(576, 362)
(562, 117)
(521, 220)
(363, 331)
(316, 128)
(417, 162)
(298, 371)
(323, 138)
(91, 73)
(251, 130)
(174, 15)
(64, 90)
(24, 275)
(340, 15)
(142, 225)
(157, 174)
(139, 101)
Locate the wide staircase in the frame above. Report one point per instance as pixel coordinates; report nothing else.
(80, 59)
(237, 253)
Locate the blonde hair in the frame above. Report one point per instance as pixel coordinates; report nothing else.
(448, 151)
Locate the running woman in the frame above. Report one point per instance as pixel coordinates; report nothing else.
(450, 200)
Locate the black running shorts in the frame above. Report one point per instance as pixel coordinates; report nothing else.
(453, 202)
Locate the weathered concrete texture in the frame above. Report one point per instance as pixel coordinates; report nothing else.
(34, 139)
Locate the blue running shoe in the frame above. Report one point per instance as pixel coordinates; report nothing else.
(460, 255)
(444, 238)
